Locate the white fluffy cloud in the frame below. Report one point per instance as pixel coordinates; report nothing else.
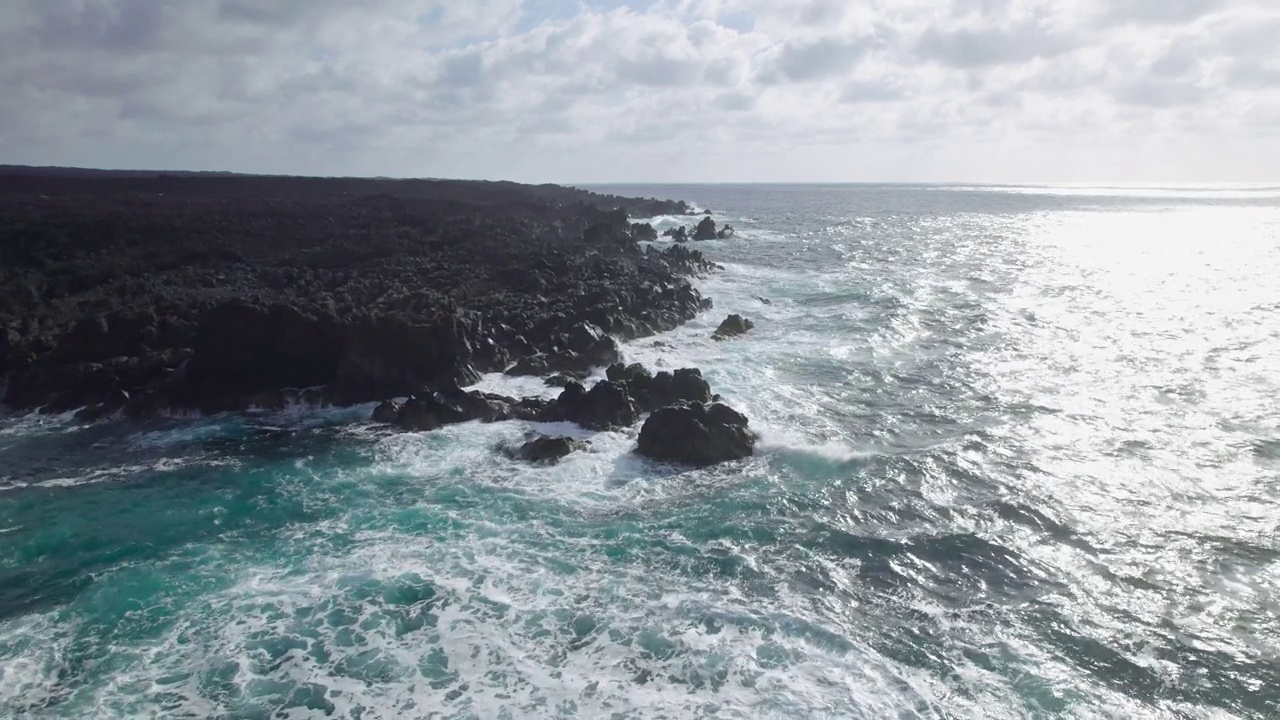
(665, 90)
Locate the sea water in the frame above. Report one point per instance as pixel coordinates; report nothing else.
(1019, 458)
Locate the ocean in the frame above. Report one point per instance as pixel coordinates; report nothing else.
(1019, 458)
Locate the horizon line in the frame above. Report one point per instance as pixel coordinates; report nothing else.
(6, 168)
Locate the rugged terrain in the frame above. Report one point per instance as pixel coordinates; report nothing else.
(146, 293)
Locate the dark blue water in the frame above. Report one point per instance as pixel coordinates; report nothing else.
(1020, 458)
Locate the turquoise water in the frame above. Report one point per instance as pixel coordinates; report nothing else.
(1020, 458)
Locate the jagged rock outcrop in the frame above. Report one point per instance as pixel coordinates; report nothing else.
(575, 352)
(682, 260)
(387, 412)
(627, 392)
(220, 293)
(732, 326)
(679, 234)
(433, 409)
(696, 434)
(706, 229)
(606, 406)
(687, 423)
(643, 231)
(651, 392)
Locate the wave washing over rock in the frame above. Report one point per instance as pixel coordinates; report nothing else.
(1013, 455)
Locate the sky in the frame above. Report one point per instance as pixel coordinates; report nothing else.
(589, 91)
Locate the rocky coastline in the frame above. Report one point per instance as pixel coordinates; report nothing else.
(141, 295)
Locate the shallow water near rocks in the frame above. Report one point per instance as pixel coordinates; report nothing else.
(1020, 457)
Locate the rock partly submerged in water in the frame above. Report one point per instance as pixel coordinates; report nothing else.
(732, 326)
(545, 449)
(606, 406)
(678, 234)
(711, 431)
(651, 392)
(706, 230)
(432, 409)
(696, 434)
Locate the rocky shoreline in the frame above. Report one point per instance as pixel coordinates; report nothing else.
(150, 294)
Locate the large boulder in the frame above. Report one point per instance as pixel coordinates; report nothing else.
(706, 229)
(651, 392)
(682, 385)
(643, 231)
(387, 412)
(606, 406)
(432, 410)
(732, 326)
(590, 345)
(546, 450)
(696, 434)
(621, 373)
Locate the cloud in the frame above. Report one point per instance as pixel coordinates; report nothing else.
(870, 91)
(1169, 12)
(815, 59)
(1256, 74)
(972, 48)
(599, 89)
(1161, 93)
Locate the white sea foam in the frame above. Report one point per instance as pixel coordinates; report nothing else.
(487, 626)
(108, 474)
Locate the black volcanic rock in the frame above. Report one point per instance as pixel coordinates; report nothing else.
(213, 292)
(628, 391)
(388, 412)
(643, 231)
(650, 392)
(546, 450)
(706, 229)
(686, 423)
(696, 434)
(607, 406)
(732, 326)
(430, 410)
(560, 380)
(681, 260)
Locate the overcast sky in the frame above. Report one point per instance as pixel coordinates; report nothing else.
(650, 90)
